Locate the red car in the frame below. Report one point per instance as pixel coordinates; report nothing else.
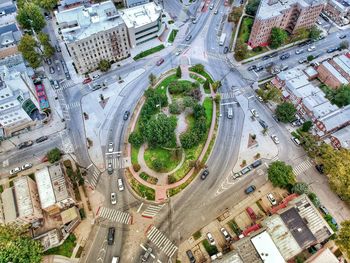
(251, 213)
(160, 62)
(87, 80)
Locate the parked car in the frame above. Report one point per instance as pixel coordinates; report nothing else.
(259, 98)
(246, 170)
(49, 61)
(225, 50)
(274, 54)
(25, 144)
(320, 168)
(160, 62)
(110, 168)
(87, 80)
(110, 147)
(332, 49)
(147, 254)
(263, 124)
(15, 170)
(41, 139)
(95, 77)
(275, 118)
(256, 164)
(120, 184)
(210, 239)
(296, 141)
(96, 87)
(58, 49)
(268, 65)
(259, 68)
(252, 67)
(27, 166)
(110, 236)
(275, 139)
(236, 175)
(52, 70)
(188, 38)
(190, 256)
(284, 67)
(225, 234)
(254, 113)
(204, 174)
(311, 48)
(250, 189)
(272, 199)
(324, 210)
(211, 6)
(56, 84)
(302, 44)
(284, 56)
(115, 260)
(113, 198)
(302, 60)
(126, 115)
(216, 12)
(334, 223)
(299, 51)
(265, 57)
(342, 36)
(251, 213)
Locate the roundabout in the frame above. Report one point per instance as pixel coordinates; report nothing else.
(171, 132)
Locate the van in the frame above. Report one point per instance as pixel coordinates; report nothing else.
(115, 259)
(190, 256)
(120, 184)
(110, 237)
(229, 113)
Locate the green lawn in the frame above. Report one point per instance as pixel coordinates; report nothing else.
(246, 27)
(66, 249)
(204, 74)
(172, 36)
(149, 52)
(148, 178)
(161, 88)
(166, 157)
(208, 105)
(134, 154)
(195, 77)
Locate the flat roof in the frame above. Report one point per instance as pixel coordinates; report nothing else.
(267, 250)
(324, 108)
(45, 189)
(23, 197)
(324, 255)
(335, 72)
(336, 118)
(343, 62)
(141, 15)
(83, 21)
(69, 215)
(343, 135)
(58, 182)
(9, 205)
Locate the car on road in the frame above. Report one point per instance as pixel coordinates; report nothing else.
(52, 70)
(275, 139)
(204, 174)
(96, 87)
(190, 256)
(342, 36)
(332, 49)
(58, 49)
(297, 123)
(246, 170)
(15, 170)
(160, 62)
(126, 115)
(115, 260)
(87, 80)
(271, 198)
(254, 113)
(263, 124)
(236, 175)
(194, 21)
(145, 256)
(256, 164)
(319, 22)
(303, 44)
(250, 189)
(95, 77)
(49, 61)
(259, 98)
(41, 139)
(216, 12)
(259, 68)
(27, 166)
(110, 147)
(67, 75)
(24, 144)
(120, 184)
(274, 54)
(110, 236)
(284, 67)
(284, 56)
(296, 141)
(225, 234)
(55, 84)
(225, 50)
(211, 6)
(268, 65)
(302, 60)
(110, 168)
(311, 48)
(211, 239)
(320, 168)
(275, 70)
(188, 38)
(299, 51)
(275, 118)
(265, 57)
(252, 67)
(324, 210)
(113, 198)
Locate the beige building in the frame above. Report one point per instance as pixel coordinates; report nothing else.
(290, 15)
(55, 190)
(93, 34)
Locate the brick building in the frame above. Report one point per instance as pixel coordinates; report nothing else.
(290, 15)
(338, 11)
(341, 138)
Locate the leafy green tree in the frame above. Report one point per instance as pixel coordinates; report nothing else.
(188, 102)
(16, 246)
(30, 17)
(344, 44)
(44, 39)
(160, 131)
(281, 175)
(310, 58)
(252, 7)
(136, 139)
(174, 108)
(241, 50)
(278, 37)
(285, 112)
(343, 238)
(47, 4)
(314, 199)
(28, 47)
(178, 72)
(301, 188)
(216, 85)
(235, 14)
(314, 33)
(104, 65)
(54, 155)
(206, 85)
(342, 97)
(152, 79)
(198, 111)
(306, 126)
(157, 165)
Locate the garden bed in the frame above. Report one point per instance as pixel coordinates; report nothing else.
(66, 249)
(149, 52)
(148, 178)
(172, 35)
(142, 190)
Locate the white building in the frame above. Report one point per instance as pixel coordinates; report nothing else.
(131, 3)
(17, 100)
(144, 22)
(93, 33)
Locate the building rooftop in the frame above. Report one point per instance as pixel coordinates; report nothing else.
(9, 205)
(83, 21)
(141, 15)
(343, 62)
(343, 135)
(58, 182)
(281, 236)
(298, 227)
(246, 250)
(9, 34)
(231, 257)
(69, 215)
(46, 192)
(323, 107)
(49, 239)
(335, 72)
(336, 118)
(324, 255)
(266, 248)
(23, 198)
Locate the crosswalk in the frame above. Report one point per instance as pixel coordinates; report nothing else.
(152, 210)
(95, 174)
(300, 168)
(228, 95)
(161, 241)
(66, 142)
(114, 215)
(72, 105)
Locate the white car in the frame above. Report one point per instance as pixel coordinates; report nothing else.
(211, 6)
(260, 98)
(27, 166)
(211, 239)
(299, 51)
(312, 48)
(271, 199)
(15, 170)
(178, 52)
(296, 141)
(110, 147)
(254, 113)
(113, 198)
(275, 139)
(226, 234)
(95, 77)
(120, 184)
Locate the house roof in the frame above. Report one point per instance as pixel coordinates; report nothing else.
(343, 135)
(267, 250)
(45, 189)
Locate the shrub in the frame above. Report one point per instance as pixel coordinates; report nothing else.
(157, 165)
(136, 167)
(197, 235)
(174, 108)
(136, 139)
(54, 155)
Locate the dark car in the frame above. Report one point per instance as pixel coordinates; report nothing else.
(250, 189)
(252, 67)
(284, 56)
(160, 62)
(41, 139)
(204, 174)
(58, 49)
(225, 50)
(320, 168)
(324, 210)
(110, 236)
(25, 144)
(302, 44)
(126, 115)
(342, 36)
(190, 256)
(246, 170)
(67, 75)
(274, 54)
(332, 49)
(263, 124)
(259, 68)
(265, 57)
(257, 163)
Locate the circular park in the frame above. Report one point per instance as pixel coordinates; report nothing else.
(172, 132)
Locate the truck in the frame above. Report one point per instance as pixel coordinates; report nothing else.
(222, 39)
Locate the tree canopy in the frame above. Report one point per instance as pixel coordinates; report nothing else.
(54, 155)
(301, 188)
(104, 65)
(278, 37)
(152, 79)
(280, 174)
(30, 17)
(344, 44)
(45, 42)
(178, 72)
(252, 7)
(17, 247)
(314, 33)
(28, 47)
(343, 238)
(160, 131)
(342, 96)
(241, 50)
(285, 112)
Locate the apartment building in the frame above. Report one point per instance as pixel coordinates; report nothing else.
(18, 105)
(338, 11)
(55, 190)
(21, 202)
(10, 36)
(290, 15)
(144, 22)
(93, 33)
